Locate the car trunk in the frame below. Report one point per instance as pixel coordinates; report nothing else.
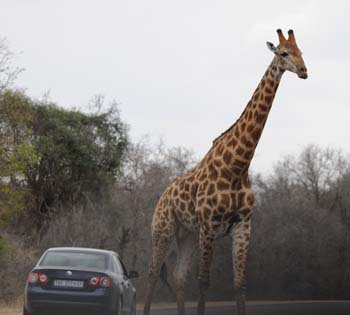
(68, 279)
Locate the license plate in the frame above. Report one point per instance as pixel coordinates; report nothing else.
(68, 284)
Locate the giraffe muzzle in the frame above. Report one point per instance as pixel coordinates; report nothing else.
(302, 73)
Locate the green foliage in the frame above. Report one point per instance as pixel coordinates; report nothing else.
(22, 157)
(50, 156)
(16, 154)
(12, 203)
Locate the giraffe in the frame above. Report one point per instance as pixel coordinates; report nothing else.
(215, 198)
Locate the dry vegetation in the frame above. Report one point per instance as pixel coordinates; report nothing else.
(300, 227)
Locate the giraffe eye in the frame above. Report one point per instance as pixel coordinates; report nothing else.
(284, 54)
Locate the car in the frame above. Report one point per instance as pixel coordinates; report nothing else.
(70, 280)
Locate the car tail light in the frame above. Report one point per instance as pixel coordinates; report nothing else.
(37, 277)
(103, 282)
(43, 278)
(93, 282)
(33, 278)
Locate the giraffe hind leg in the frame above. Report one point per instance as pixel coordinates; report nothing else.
(185, 252)
(163, 233)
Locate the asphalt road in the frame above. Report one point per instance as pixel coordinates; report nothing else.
(253, 308)
(266, 308)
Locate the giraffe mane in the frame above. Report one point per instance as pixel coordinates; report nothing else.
(227, 130)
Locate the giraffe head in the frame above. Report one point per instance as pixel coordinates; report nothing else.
(288, 54)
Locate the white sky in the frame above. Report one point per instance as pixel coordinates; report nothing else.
(184, 70)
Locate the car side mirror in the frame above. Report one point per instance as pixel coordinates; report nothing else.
(133, 274)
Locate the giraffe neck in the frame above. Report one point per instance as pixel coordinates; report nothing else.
(237, 145)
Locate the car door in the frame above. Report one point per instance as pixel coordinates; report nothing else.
(127, 287)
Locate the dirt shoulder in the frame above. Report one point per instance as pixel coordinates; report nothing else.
(10, 311)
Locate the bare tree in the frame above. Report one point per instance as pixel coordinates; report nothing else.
(8, 72)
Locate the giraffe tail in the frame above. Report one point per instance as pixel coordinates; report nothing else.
(163, 275)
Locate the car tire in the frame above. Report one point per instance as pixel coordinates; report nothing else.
(25, 312)
(133, 307)
(120, 306)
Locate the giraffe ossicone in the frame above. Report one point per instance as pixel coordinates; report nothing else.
(215, 198)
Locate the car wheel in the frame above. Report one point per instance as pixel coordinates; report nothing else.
(25, 312)
(133, 307)
(120, 306)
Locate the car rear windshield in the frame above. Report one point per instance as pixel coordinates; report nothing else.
(74, 260)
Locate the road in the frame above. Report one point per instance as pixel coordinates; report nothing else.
(253, 308)
(265, 308)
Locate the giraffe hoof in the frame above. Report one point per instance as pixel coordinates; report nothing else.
(240, 300)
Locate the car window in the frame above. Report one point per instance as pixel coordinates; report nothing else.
(123, 266)
(74, 260)
(113, 265)
(118, 265)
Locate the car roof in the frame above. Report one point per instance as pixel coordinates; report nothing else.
(81, 249)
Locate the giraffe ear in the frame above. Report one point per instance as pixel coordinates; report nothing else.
(271, 47)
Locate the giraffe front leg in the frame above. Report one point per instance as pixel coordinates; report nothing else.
(240, 244)
(206, 242)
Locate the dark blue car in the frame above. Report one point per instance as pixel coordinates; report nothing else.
(80, 281)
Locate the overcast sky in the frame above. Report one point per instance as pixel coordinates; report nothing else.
(184, 70)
